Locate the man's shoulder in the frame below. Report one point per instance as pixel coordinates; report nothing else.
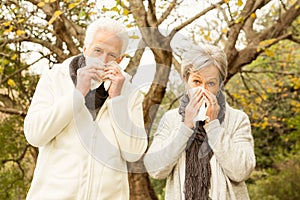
(62, 67)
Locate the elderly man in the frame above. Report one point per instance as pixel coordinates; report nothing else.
(87, 120)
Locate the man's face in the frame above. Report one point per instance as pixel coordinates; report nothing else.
(105, 46)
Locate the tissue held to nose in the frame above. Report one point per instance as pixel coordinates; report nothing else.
(201, 116)
(94, 61)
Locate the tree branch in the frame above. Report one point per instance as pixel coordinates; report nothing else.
(135, 60)
(138, 10)
(282, 24)
(151, 14)
(167, 12)
(12, 111)
(197, 16)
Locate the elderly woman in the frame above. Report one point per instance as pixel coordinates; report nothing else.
(208, 156)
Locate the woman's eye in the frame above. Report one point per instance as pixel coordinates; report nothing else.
(211, 84)
(197, 82)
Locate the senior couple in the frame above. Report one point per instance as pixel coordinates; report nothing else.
(86, 118)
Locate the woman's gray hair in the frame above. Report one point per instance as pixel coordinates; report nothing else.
(202, 56)
(107, 25)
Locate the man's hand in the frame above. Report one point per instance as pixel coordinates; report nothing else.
(113, 73)
(84, 77)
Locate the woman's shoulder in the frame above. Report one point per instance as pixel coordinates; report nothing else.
(235, 113)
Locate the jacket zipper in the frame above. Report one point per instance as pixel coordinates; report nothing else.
(91, 168)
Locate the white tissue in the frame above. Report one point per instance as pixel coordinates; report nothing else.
(201, 116)
(94, 61)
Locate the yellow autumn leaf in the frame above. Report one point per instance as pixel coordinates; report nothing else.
(226, 1)
(104, 9)
(125, 12)
(266, 42)
(239, 20)
(20, 32)
(5, 62)
(253, 15)
(41, 4)
(72, 5)
(8, 30)
(269, 53)
(52, 1)
(258, 100)
(21, 20)
(91, 13)
(55, 15)
(129, 26)
(134, 37)
(239, 3)
(6, 23)
(14, 57)
(11, 83)
(207, 37)
(224, 30)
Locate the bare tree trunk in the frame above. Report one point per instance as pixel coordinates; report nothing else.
(140, 186)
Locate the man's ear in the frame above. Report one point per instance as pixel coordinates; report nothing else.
(118, 60)
(84, 51)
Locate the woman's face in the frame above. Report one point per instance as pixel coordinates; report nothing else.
(207, 77)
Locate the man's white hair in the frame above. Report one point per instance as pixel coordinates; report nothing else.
(107, 25)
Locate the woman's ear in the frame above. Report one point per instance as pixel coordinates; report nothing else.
(187, 89)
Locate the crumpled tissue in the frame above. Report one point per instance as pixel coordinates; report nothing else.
(201, 116)
(94, 61)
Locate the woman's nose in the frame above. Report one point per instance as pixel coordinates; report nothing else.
(203, 85)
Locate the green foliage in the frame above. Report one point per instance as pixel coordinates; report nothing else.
(268, 91)
(159, 187)
(16, 161)
(281, 183)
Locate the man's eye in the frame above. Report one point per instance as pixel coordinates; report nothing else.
(98, 50)
(113, 55)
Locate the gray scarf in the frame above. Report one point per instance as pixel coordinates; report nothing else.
(95, 98)
(198, 155)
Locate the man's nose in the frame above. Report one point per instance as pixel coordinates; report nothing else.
(104, 58)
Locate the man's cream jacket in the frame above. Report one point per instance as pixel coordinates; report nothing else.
(81, 158)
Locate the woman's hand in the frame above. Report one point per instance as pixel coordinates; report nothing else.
(213, 106)
(196, 100)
